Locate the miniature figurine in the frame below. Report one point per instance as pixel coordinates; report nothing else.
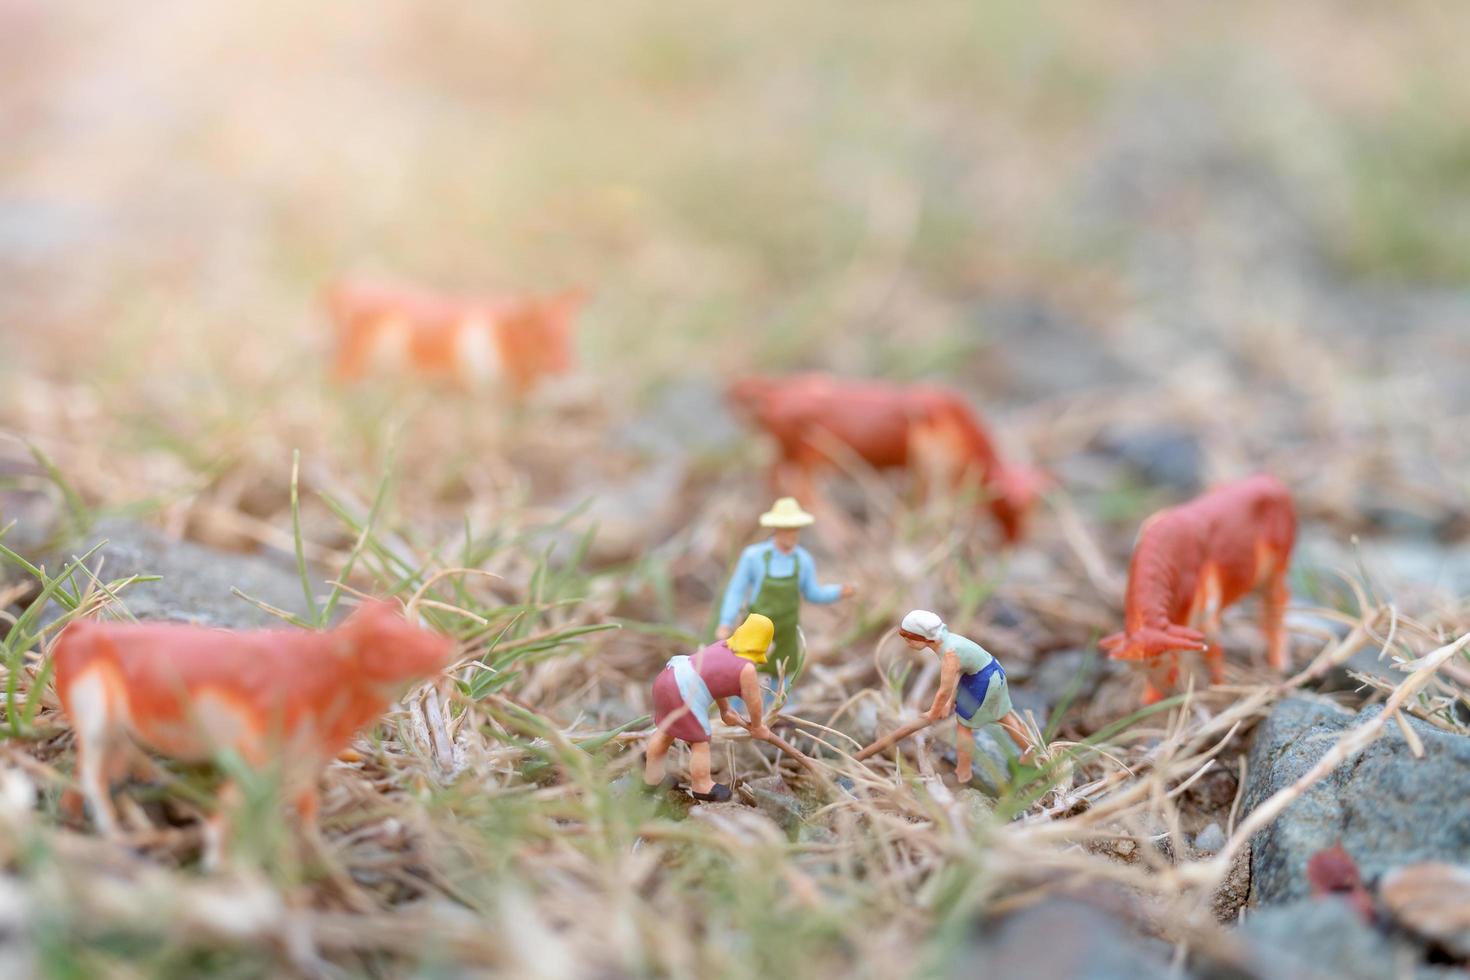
(471, 342)
(686, 688)
(771, 578)
(924, 428)
(1192, 561)
(972, 684)
(290, 697)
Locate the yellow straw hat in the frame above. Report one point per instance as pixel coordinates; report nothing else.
(786, 513)
(753, 638)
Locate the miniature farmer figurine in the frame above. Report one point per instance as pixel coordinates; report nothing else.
(684, 691)
(771, 579)
(971, 682)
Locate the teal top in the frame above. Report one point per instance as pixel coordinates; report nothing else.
(973, 657)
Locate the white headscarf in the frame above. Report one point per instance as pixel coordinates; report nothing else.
(922, 622)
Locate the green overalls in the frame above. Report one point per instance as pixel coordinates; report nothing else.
(779, 599)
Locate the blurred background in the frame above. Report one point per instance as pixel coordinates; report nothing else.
(1030, 203)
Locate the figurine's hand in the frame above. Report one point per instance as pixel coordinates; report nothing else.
(848, 591)
(730, 718)
(723, 633)
(759, 731)
(937, 713)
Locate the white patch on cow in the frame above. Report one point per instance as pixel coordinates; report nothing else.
(391, 341)
(222, 720)
(475, 351)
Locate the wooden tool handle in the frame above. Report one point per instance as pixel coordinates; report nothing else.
(792, 751)
(893, 738)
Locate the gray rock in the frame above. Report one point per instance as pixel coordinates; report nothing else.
(686, 418)
(1064, 673)
(1401, 567)
(990, 762)
(1209, 840)
(1035, 349)
(1384, 807)
(1323, 939)
(774, 798)
(195, 581)
(30, 500)
(1159, 455)
(629, 513)
(1061, 939)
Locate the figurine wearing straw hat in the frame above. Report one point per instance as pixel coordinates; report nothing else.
(771, 579)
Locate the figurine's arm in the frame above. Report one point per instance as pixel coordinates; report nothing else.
(738, 592)
(750, 691)
(949, 682)
(811, 591)
(727, 713)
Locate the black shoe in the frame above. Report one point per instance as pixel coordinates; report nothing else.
(718, 793)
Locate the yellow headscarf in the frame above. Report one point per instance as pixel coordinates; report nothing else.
(753, 638)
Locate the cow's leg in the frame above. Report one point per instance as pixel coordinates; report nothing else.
(1205, 616)
(308, 804)
(1162, 673)
(1273, 616)
(218, 824)
(90, 704)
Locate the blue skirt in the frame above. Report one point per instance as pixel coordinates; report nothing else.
(983, 697)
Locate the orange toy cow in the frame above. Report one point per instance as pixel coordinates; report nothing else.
(471, 342)
(290, 697)
(925, 428)
(1192, 561)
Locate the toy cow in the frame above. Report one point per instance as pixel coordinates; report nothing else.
(926, 429)
(470, 342)
(1192, 561)
(290, 697)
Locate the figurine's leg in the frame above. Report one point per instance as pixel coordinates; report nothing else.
(654, 757)
(1273, 616)
(1017, 731)
(700, 779)
(964, 752)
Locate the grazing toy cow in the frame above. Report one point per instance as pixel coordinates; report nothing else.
(469, 342)
(292, 698)
(924, 428)
(1192, 561)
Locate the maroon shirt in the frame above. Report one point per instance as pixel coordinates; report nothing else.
(719, 668)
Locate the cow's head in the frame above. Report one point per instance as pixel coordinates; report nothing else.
(751, 394)
(540, 337)
(1149, 642)
(1014, 492)
(388, 653)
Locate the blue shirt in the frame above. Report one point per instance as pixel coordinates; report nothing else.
(750, 572)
